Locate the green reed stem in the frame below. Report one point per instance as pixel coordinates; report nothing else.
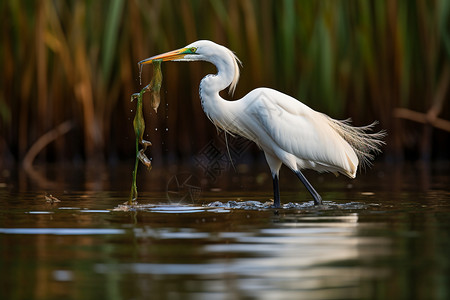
(139, 127)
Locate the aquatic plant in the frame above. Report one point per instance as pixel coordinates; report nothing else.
(139, 123)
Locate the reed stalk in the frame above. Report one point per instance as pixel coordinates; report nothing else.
(74, 60)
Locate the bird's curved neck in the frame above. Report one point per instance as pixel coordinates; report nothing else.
(218, 110)
(212, 84)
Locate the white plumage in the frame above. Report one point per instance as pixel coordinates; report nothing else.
(288, 131)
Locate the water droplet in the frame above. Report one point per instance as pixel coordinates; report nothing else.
(167, 129)
(156, 129)
(140, 74)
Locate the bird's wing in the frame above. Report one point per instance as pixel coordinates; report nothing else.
(281, 123)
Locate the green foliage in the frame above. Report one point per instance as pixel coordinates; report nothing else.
(77, 60)
(111, 35)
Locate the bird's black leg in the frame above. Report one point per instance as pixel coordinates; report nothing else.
(276, 192)
(309, 187)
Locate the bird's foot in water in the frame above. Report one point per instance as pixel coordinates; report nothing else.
(317, 200)
(271, 204)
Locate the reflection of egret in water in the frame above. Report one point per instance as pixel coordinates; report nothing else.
(300, 257)
(183, 188)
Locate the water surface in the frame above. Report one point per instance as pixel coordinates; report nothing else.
(382, 236)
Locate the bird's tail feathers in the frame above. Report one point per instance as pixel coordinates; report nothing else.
(365, 143)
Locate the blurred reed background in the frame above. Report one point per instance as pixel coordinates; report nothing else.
(69, 68)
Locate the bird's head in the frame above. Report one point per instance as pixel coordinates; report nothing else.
(204, 50)
(199, 50)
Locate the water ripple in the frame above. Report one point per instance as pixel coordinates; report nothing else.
(62, 231)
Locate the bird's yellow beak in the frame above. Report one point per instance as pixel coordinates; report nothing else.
(168, 56)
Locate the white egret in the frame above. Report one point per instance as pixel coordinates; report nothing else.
(288, 131)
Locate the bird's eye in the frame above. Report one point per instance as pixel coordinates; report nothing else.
(193, 49)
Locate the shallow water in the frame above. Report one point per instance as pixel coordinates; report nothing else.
(382, 236)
